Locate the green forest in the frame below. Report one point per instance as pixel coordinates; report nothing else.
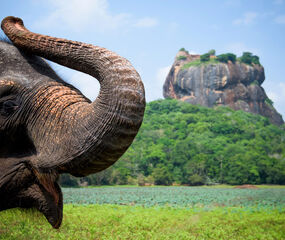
(184, 144)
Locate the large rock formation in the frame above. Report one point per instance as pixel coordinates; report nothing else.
(211, 84)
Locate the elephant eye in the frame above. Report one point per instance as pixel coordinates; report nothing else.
(8, 107)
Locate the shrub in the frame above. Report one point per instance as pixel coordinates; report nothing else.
(269, 101)
(231, 57)
(255, 60)
(183, 50)
(66, 180)
(212, 52)
(205, 57)
(227, 57)
(196, 180)
(181, 58)
(246, 58)
(141, 180)
(222, 58)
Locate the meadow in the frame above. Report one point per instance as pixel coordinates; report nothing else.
(157, 213)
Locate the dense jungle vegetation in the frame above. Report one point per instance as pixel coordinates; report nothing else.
(180, 143)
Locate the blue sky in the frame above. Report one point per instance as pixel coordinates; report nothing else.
(149, 33)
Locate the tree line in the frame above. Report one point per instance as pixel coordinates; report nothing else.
(180, 143)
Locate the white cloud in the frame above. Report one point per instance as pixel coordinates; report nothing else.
(89, 15)
(146, 22)
(239, 47)
(82, 14)
(88, 85)
(280, 19)
(247, 19)
(161, 74)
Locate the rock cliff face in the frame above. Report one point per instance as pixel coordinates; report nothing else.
(236, 85)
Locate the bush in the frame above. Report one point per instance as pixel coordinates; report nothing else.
(212, 52)
(161, 175)
(196, 180)
(255, 60)
(248, 58)
(183, 50)
(181, 58)
(66, 180)
(227, 57)
(231, 57)
(222, 58)
(269, 101)
(205, 57)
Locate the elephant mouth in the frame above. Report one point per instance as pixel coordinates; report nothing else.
(37, 190)
(18, 147)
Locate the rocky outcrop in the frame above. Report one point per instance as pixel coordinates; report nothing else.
(211, 84)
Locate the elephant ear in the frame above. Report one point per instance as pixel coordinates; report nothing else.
(88, 137)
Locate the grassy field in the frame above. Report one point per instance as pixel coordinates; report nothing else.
(258, 214)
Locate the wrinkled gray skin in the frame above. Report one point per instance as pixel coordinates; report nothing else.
(47, 127)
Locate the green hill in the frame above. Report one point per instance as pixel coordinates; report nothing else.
(187, 144)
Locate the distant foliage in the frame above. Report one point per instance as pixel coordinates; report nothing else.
(211, 58)
(187, 144)
(183, 50)
(212, 52)
(226, 57)
(248, 58)
(181, 58)
(269, 101)
(205, 57)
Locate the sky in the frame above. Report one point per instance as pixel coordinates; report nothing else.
(149, 33)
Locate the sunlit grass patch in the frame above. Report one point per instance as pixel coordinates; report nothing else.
(136, 222)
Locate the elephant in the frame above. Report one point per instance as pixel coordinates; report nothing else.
(48, 127)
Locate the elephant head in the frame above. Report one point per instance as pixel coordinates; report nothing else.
(47, 127)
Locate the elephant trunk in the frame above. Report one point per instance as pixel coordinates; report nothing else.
(94, 135)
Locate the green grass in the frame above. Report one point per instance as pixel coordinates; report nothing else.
(218, 212)
(197, 63)
(136, 222)
(203, 186)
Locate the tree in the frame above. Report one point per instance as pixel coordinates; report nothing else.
(226, 57)
(196, 180)
(66, 180)
(246, 57)
(212, 52)
(188, 144)
(161, 175)
(205, 57)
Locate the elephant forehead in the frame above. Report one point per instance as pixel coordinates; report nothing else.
(22, 68)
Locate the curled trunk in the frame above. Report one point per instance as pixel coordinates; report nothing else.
(70, 133)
